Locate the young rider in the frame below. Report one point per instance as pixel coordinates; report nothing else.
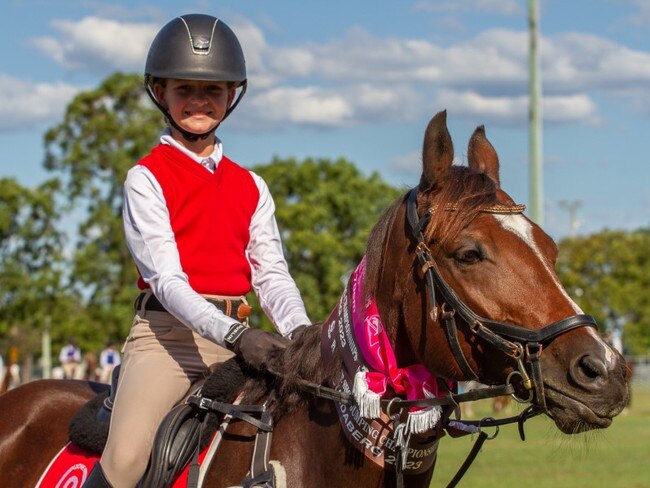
(202, 232)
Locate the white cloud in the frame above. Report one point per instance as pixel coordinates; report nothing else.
(309, 106)
(510, 110)
(475, 105)
(502, 7)
(24, 104)
(363, 57)
(267, 65)
(98, 45)
(326, 108)
(361, 77)
(410, 163)
(573, 108)
(642, 16)
(574, 62)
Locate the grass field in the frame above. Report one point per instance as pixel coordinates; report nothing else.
(617, 457)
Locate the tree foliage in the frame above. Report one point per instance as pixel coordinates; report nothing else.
(608, 273)
(104, 132)
(325, 210)
(31, 247)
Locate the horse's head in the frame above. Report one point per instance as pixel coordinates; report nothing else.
(471, 284)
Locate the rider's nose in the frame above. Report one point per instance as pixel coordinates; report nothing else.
(198, 95)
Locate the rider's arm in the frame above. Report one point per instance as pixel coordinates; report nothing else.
(272, 283)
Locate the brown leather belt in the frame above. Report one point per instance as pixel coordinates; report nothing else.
(236, 309)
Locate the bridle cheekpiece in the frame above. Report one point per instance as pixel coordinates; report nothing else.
(522, 344)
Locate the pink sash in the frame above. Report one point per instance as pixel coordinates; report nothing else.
(414, 381)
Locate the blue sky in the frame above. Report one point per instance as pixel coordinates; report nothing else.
(361, 79)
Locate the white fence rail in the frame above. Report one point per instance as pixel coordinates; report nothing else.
(640, 368)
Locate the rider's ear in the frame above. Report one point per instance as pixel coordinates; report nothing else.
(481, 156)
(437, 152)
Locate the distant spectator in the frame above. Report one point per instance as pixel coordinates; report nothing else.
(108, 359)
(70, 358)
(615, 339)
(13, 368)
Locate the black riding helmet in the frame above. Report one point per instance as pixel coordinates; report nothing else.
(195, 47)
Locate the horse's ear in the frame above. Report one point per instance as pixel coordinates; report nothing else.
(481, 156)
(437, 152)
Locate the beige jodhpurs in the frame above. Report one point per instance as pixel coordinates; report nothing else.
(162, 358)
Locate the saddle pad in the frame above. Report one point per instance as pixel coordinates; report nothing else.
(72, 465)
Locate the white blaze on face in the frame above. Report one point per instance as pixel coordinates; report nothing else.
(520, 226)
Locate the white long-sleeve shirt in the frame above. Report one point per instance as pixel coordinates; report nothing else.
(150, 238)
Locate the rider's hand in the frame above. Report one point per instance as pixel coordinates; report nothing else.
(253, 345)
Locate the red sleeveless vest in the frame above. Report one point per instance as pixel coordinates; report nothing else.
(210, 215)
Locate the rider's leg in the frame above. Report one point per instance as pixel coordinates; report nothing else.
(161, 359)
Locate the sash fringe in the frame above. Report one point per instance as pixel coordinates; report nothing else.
(423, 420)
(368, 401)
(369, 404)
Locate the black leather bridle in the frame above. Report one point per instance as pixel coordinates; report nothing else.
(523, 345)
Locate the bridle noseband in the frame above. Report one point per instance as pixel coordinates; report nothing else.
(521, 344)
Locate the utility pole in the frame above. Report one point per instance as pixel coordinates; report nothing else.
(534, 117)
(46, 348)
(572, 207)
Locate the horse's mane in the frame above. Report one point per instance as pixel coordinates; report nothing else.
(454, 205)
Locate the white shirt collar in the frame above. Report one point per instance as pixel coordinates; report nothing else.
(209, 162)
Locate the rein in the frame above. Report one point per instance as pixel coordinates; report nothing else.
(521, 344)
(395, 406)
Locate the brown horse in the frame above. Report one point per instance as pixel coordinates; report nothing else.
(464, 284)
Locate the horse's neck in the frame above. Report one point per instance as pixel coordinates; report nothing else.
(403, 306)
(395, 293)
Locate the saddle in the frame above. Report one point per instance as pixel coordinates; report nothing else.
(186, 430)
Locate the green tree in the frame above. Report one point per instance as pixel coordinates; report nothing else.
(325, 210)
(608, 273)
(104, 132)
(31, 256)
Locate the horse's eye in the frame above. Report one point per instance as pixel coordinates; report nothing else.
(468, 256)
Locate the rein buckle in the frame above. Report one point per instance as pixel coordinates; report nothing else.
(446, 312)
(534, 351)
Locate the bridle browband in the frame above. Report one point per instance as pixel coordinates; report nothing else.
(521, 344)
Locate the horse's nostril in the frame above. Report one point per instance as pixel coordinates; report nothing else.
(589, 368)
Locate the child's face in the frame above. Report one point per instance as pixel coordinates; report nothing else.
(196, 106)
